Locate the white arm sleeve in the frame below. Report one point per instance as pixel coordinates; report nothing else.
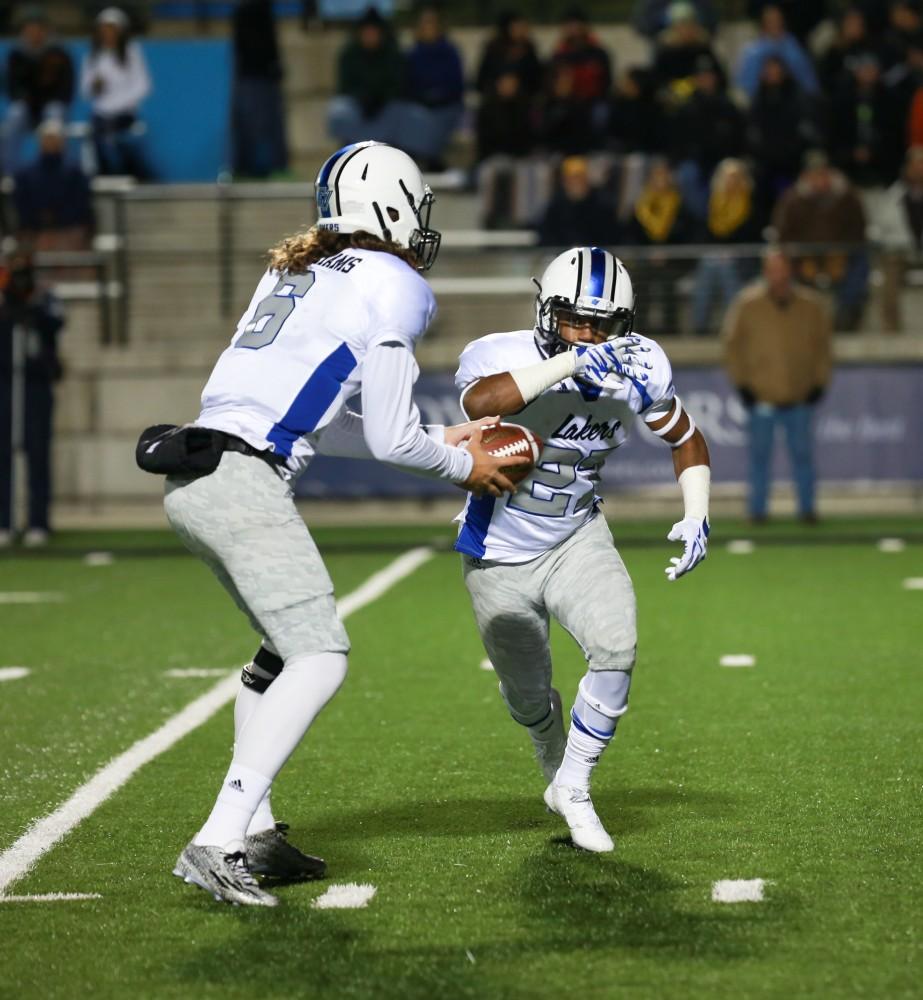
(391, 420)
(344, 436)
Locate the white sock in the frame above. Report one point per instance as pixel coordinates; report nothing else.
(590, 733)
(240, 794)
(247, 700)
(273, 728)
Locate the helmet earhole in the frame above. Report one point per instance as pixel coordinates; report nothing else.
(393, 214)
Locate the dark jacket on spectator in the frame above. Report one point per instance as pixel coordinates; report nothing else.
(636, 121)
(706, 128)
(40, 78)
(870, 119)
(781, 126)
(568, 223)
(679, 62)
(41, 315)
(256, 48)
(505, 125)
(52, 194)
(519, 58)
(371, 77)
(434, 74)
(802, 217)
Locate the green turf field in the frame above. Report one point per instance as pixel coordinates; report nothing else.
(804, 771)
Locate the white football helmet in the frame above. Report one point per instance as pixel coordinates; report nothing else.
(583, 283)
(379, 189)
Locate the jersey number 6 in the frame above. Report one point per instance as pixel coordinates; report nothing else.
(274, 310)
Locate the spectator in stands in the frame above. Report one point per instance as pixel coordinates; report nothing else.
(781, 126)
(660, 219)
(40, 84)
(510, 52)
(899, 230)
(580, 60)
(115, 80)
(777, 343)
(704, 130)
(566, 122)
(733, 218)
(682, 48)
(30, 321)
(635, 116)
(505, 120)
(866, 133)
(824, 208)
(577, 214)
(259, 146)
(370, 85)
(435, 89)
(651, 17)
(904, 29)
(54, 208)
(801, 16)
(775, 41)
(852, 39)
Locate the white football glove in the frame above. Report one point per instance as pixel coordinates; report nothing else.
(621, 357)
(693, 533)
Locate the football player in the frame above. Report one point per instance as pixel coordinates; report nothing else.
(337, 314)
(579, 378)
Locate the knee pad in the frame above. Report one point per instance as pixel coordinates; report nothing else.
(606, 691)
(262, 671)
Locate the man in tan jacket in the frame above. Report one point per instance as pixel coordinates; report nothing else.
(777, 352)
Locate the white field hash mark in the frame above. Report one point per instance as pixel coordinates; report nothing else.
(184, 672)
(17, 860)
(13, 673)
(349, 896)
(737, 660)
(738, 890)
(913, 583)
(30, 597)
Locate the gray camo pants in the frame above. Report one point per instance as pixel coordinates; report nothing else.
(583, 584)
(242, 522)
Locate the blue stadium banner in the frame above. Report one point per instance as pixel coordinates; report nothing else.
(867, 430)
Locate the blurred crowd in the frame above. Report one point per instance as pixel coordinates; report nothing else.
(792, 138)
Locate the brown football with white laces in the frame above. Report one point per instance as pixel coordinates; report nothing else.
(512, 439)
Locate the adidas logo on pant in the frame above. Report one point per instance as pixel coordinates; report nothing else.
(236, 784)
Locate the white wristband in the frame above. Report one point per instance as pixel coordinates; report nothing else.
(695, 482)
(533, 380)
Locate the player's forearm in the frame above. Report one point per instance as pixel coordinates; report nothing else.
(690, 453)
(508, 392)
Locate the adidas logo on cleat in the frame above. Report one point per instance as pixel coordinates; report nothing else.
(236, 784)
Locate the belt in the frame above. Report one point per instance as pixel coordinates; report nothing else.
(234, 443)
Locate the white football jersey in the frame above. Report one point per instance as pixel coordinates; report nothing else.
(296, 357)
(580, 426)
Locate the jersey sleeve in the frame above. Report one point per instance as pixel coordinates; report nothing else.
(401, 306)
(658, 392)
(479, 359)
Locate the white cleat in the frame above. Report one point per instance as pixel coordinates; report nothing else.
(575, 807)
(549, 739)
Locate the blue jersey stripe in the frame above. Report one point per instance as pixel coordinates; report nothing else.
(313, 400)
(474, 530)
(597, 272)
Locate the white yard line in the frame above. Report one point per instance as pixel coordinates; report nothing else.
(738, 890)
(17, 860)
(30, 597)
(740, 546)
(13, 673)
(737, 660)
(51, 897)
(350, 896)
(913, 583)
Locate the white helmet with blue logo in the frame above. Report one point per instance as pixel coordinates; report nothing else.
(379, 189)
(583, 284)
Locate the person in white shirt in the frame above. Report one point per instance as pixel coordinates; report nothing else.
(337, 315)
(579, 380)
(115, 80)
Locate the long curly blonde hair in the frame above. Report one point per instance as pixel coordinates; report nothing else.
(295, 254)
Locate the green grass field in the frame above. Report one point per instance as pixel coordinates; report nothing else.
(804, 771)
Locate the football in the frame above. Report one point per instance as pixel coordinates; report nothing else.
(512, 439)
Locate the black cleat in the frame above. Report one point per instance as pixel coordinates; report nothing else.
(271, 855)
